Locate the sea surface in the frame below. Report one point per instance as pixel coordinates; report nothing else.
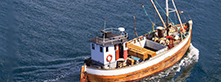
(48, 40)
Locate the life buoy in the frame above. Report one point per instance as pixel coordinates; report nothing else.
(108, 57)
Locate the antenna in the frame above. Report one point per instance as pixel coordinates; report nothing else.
(135, 30)
(104, 30)
(104, 24)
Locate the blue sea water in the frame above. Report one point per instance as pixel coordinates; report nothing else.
(47, 40)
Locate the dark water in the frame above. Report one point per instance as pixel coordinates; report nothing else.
(47, 40)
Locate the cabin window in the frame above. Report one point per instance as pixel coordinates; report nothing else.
(101, 49)
(106, 49)
(93, 46)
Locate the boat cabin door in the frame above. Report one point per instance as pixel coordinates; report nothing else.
(119, 51)
(116, 51)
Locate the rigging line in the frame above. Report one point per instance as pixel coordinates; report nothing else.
(158, 13)
(178, 18)
(133, 8)
(185, 9)
(154, 14)
(180, 12)
(151, 6)
(182, 15)
(135, 31)
(146, 12)
(165, 13)
(147, 15)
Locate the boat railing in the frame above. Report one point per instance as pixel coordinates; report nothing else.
(116, 31)
(112, 30)
(111, 40)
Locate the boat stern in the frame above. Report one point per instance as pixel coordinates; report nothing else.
(83, 75)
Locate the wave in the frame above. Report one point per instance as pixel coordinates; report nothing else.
(184, 66)
(53, 70)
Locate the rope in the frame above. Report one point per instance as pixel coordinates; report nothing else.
(135, 31)
(145, 11)
(185, 9)
(181, 13)
(165, 14)
(164, 11)
(133, 8)
(153, 24)
(183, 16)
(151, 8)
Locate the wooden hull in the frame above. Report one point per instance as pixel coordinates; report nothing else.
(145, 72)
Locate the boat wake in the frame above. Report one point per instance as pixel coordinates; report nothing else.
(62, 70)
(178, 72)
(71, 72)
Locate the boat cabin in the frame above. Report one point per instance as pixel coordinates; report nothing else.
(108, 48)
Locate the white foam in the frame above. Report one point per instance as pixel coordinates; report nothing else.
(191, 57)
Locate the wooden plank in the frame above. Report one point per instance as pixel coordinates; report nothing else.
(139, 52)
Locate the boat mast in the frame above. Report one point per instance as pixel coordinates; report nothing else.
(177, 14)
(158, 14)
(167, 19)
(167, 12)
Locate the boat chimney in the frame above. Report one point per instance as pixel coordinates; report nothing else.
(160, 31)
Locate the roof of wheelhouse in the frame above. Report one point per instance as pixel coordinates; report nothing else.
(108, 39)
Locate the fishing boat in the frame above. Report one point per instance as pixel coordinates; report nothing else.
(115, 58)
